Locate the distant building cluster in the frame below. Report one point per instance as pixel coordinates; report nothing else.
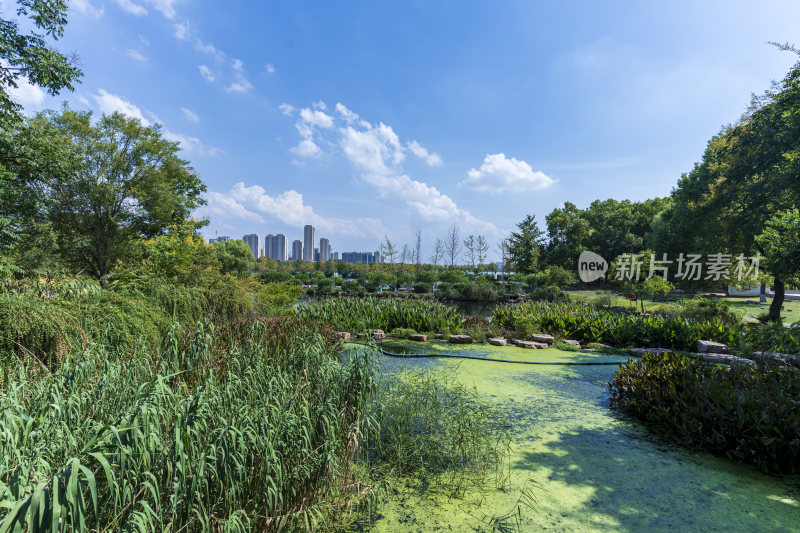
(277, 247)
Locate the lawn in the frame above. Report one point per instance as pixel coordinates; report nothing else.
(791, 310)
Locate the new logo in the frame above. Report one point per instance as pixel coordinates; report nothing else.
(591, 267)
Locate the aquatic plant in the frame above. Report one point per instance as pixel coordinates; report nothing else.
(365, 314)
(750, 415)
(262, 438)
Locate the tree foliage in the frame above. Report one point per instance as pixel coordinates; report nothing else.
(100, 184)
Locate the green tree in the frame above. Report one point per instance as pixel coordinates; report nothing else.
(100, 185)
(780, 244)
(525, 246)
(235, 257)
(31, 56)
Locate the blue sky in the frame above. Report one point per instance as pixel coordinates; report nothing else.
(377, 118)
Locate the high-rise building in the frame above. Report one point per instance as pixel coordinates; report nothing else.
(324, 249)
(254, 242)
(335, 256)
(297, 250)
(308, 242)
(362, 257)
(276, 247)
(219, 239)
(281, 247)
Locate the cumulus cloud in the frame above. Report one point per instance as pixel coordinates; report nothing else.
(269, 67)
(237, 65)
(254, 203)
(136, 56)
(378, 153)
(190, 115)
(433, 159)
(499, 174)
(206, 72)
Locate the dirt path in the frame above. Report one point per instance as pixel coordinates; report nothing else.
(590, 469)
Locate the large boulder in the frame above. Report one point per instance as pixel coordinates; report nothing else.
(779, 358)
(725, 359)
(419, 337)
(497, 341)
(542, 337)
(572, 342)
(378, 335)
(460, 339)
(712, 347)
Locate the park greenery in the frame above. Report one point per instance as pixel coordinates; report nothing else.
(151, 381)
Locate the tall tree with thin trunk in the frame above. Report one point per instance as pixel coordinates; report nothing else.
(438, 252)
(452, 244)
(418, 249)
(469, 248)
(481, 249)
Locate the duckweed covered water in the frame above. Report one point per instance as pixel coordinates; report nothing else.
(577, 466)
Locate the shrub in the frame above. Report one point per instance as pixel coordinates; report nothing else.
(603, 299)
(750, 415)
(421, 287)
(402, 333)
(708, 309)
(552, 293)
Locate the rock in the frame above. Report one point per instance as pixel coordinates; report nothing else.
(378, 335)
(780, 358)
(497, 341)
(572, 342)
(439, 336)
(344, 335)
(532, 345)
(725, 359)
(359, 335)
(419, 337)
(639, 352)
(711, 347)
(541, 337)
(460, 339)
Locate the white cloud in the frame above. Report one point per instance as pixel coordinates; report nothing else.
(165, 7)
(83, 100)
(192, 145)
(85, 7)
(378, 154)
(269, 67)
(250, 203)
(241, 85)
(136, 56)
(433, 159)
(237, 64)
(131, 8)
(499, 174)
(181, 31)
(190, 115)
(109, 103)
(286, 109)
(144, 40)
(26, 94)
(306, 148)
(206, 72)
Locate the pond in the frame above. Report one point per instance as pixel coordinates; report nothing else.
(586, 467)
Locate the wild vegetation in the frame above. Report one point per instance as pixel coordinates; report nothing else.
(750, 415)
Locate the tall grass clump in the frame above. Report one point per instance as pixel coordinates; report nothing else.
(262, 438)
(432, 428)
(748, 414)
(365, 314)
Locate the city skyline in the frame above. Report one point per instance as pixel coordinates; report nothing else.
(294, 116)
(276, 247)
